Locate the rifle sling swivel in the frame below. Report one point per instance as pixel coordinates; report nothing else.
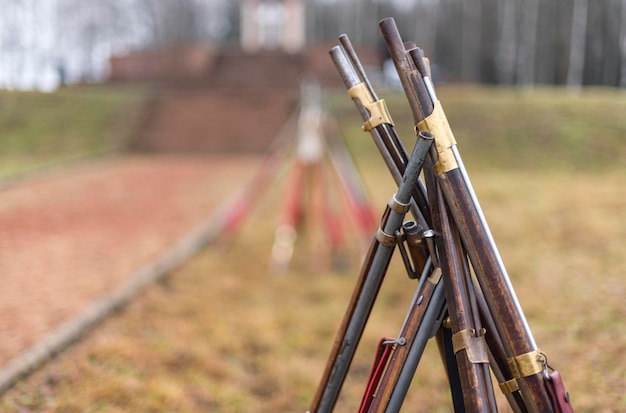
(378, 111)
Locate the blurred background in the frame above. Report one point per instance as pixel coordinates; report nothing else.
(124, 123)
(573, 42)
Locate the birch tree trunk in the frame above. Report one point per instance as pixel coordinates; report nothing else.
(507, 48)
(577, 45)
(470, 43)
(528, 44)
(622, 81)
(425, 30)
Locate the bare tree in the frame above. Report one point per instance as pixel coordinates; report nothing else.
(425, 30)
(507, 47)
(475, 40)
(528, 44)
(471, 40)
(177, 21)
(577, 45)
(11, 41)
(622, 80)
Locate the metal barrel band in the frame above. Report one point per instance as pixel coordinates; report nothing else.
(397, 206)
(509, 386)
(379, 113)
(437, 124)
(473, 343)
(385, 239)
(528, 364)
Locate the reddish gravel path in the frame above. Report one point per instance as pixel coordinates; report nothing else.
(67, 239)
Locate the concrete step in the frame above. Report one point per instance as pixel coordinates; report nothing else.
(241, 105)
(213, 121)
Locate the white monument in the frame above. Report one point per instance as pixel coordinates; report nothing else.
(272, 25)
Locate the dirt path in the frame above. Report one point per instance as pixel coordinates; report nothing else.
(67, 239)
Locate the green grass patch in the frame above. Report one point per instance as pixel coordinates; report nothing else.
(544, 129)
(39, 129)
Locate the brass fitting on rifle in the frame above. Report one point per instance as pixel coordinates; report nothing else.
(437, 124)
(528, 364)
(509, 386)
(473, 342)
(379, 113)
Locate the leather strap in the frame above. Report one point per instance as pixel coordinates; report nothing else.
(558, 394)
(383, 352)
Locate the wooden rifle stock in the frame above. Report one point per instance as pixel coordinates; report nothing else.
(472, 356)
(429, 299)
(508, 317)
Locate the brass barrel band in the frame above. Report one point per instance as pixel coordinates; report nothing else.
(527, 364)
(379, 113)
(437, 124)
(473, 344)
(509, 386)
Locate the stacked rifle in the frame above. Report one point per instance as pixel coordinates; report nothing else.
(464, 298)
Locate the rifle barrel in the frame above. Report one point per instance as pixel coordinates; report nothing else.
(385, 136)
(360, 70)
(370, 280)
(397, 52)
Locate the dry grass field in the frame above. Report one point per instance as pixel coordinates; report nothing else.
(222, 335)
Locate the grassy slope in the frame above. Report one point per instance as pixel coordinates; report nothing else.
(545, 129)
(42, 129)
(222, 335)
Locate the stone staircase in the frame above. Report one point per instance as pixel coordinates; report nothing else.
(240, 105)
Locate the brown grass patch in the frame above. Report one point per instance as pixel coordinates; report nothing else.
(223, 335)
